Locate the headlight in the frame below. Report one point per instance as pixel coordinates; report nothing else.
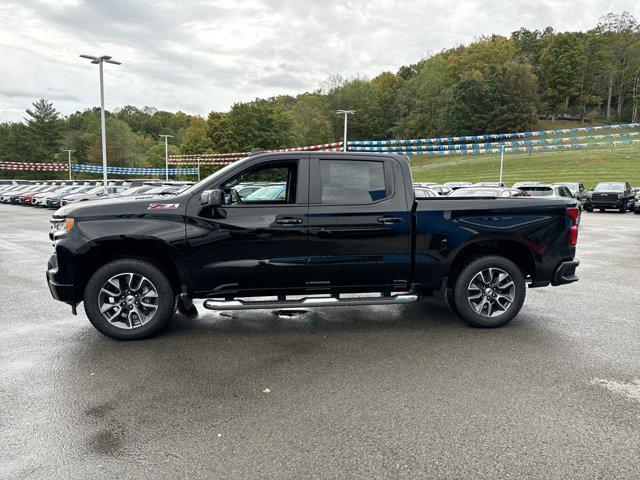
(60, 226)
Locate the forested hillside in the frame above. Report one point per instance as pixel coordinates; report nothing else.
(495, 84)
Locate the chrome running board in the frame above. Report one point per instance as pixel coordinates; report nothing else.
(304, 302)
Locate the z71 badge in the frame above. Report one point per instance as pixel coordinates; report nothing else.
(163, 206)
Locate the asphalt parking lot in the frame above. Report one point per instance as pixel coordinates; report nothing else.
(369, 392)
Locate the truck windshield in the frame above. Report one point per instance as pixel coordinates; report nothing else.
(609, 187)
(538, 191)
(271, 192)
(473, 192)
(573, 187)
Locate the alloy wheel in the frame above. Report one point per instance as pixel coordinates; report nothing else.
(128, 300)
(491, 292)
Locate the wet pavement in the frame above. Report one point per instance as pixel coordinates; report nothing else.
(366, 392)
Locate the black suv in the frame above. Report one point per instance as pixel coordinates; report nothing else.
(610, 195)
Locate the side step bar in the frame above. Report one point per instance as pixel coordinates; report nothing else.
(309, 302)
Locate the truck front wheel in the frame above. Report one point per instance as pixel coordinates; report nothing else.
(489, 291)
(129, 299)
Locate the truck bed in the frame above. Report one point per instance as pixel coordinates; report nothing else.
(533, 230)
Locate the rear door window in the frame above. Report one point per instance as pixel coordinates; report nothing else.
(344, 182)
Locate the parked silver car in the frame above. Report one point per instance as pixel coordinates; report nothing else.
(96, 193)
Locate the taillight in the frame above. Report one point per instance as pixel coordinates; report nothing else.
(574, 215)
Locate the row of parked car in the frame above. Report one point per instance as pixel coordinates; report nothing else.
(56, 193)
(619, 196)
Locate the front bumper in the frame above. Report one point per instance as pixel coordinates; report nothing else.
(606, 202)
(565, 273)
(63, 292)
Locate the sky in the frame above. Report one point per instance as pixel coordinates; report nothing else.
(198, 56)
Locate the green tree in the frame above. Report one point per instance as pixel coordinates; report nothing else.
(14, 145)
(44, 130)
(560, 64)
(124, 148)
(621, 35)
(263, 124)
(529, 44)
(592, 63)
(468, 108)
(363, 97)
(154, 155)
(312, 120)
(511, 92)
(423, 97)
(219, 131)
(195, 139)
(487, 52)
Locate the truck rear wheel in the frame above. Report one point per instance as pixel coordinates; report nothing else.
(489, 292)
(129, 299)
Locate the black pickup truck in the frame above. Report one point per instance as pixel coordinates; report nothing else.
(305, 230)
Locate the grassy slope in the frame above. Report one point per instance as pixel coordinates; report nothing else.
(587, 167)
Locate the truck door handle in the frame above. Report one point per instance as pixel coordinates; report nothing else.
(289, 221)
(389, 220)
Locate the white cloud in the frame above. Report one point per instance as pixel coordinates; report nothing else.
(197, 56)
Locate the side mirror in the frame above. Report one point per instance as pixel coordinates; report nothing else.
(211, 198)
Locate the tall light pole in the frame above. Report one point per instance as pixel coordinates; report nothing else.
(501, 161)
(99, 61)
(69, 152)
(166, 155)
(346, 113)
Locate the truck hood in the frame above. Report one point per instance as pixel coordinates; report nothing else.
(124, 206)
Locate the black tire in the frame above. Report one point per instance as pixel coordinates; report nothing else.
(636, 211)
(165, 299)
(602, 210)
(623, 209)
(588, 209)
(461, 291)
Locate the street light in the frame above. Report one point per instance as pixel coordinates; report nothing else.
(346, 113)
(69, 152)
(166, 155)
(99, 61)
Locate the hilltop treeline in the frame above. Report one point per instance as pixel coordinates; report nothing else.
(495, 84)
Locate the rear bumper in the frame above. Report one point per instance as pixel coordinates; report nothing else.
(565, 273)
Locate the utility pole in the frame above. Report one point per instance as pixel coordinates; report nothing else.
(69, 152)
(166, 155)
(501, 162)
(346, 113)
(99, 61)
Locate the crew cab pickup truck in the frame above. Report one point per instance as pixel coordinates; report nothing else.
(322, 229)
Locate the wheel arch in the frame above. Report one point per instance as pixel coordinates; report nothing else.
(514, 250)
(151, 250)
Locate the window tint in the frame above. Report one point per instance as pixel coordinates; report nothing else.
(610, 186)
(473, 192)
(352, 181)
(268, 183)
(538, 191)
